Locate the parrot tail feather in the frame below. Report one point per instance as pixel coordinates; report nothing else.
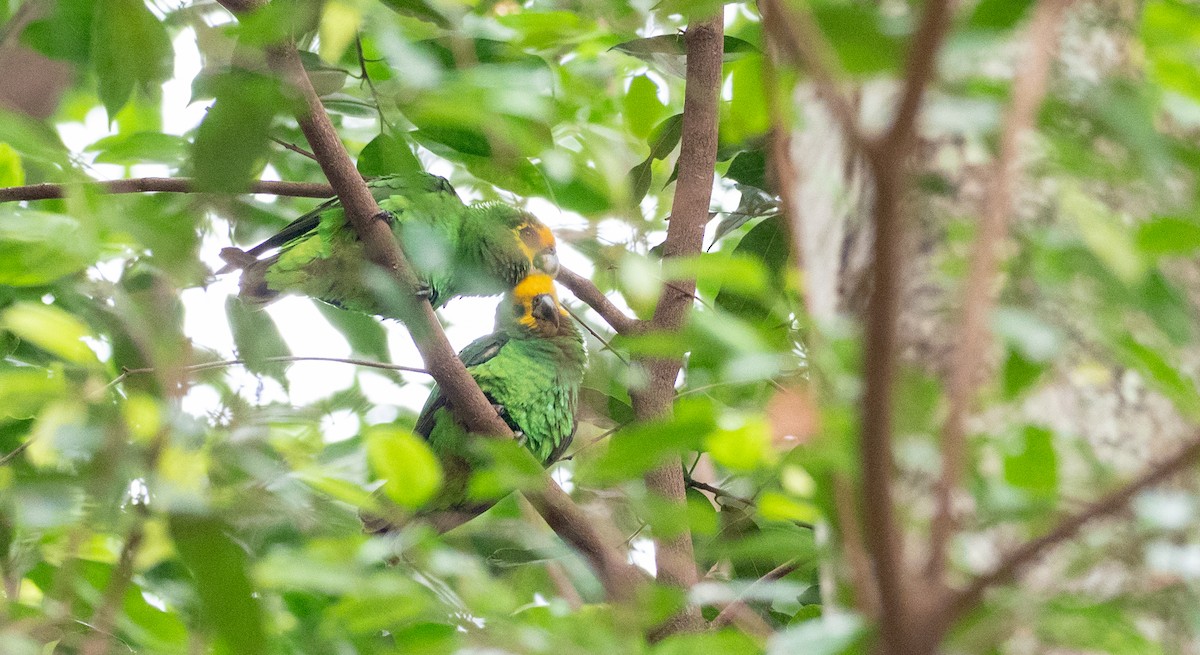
(235, 259)
(253, 288)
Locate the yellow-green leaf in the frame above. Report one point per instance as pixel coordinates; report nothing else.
(50, 329)
(410, 471)
(11, 172)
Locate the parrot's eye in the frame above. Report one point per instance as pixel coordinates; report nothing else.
(529, 236)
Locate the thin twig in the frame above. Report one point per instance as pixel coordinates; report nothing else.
(15, 451)
(205, 366)
(797, 34)
(294, 148)
(778, 573)
(716, 491)
(596, 335)
(114, 594)
(978, 296)
(585, 290)
(866, 596)
(366, 77)
(47, 191)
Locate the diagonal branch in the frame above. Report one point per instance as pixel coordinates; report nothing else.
(593, 538)
(1013, 563)
(586, 290)
(798, 36)
(165, 185)
(1029, 88)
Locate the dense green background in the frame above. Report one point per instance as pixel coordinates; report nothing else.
(239, 524)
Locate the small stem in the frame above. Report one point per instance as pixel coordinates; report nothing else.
(294, 148)
(49, 191)
(241, 362)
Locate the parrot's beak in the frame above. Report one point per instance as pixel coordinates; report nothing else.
(546, 261)
(545, 309)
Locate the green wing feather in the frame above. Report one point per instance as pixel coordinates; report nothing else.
(454, 250)
(535, 380)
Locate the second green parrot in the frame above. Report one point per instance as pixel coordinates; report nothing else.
(530, 368)
(455, 250)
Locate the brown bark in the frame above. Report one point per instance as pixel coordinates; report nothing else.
(166, 185)
(674, 556)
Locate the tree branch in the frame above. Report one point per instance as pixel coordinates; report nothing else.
(676, 562)
(726, 615)
(1014, 562)
(162, 184)
(888, 159)
(797, 35)
(592, 537)
(585, 290)
(979, 296)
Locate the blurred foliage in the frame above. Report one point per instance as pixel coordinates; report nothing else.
(157, 499)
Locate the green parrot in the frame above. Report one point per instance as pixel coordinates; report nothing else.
(455, 249)
(530, 368)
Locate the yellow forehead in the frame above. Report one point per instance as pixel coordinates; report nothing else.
(535, 284)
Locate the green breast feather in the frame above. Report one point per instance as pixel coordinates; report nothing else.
(536, 382)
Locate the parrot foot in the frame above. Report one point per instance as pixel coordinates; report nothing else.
(520, 437)
(501, 410)
(386, 217)
(424, 292)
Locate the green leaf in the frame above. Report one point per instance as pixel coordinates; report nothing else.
(665, 137)
(232, 142)
(1083, 624)
(1162, 374)
(387, 155)
(130, 47)
(141, 148)
(545, 29)
(745, 115)
(858, 34)
(37, 248)
(1033, 466)
(411, 472)
(218, 568)
(31, 138)
(829, 635)
(51, 329)
(366, 335)
(1020, 374)
(417, 9)
(1168, 235)
(749, 168)
(257, 338)
(463, 139)
(639, 448)
(25, 390)
(668, 52)
(662, 141)
(11, 171)
(998, 15)
(726, 642)
(641, 107)
(66, 33)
